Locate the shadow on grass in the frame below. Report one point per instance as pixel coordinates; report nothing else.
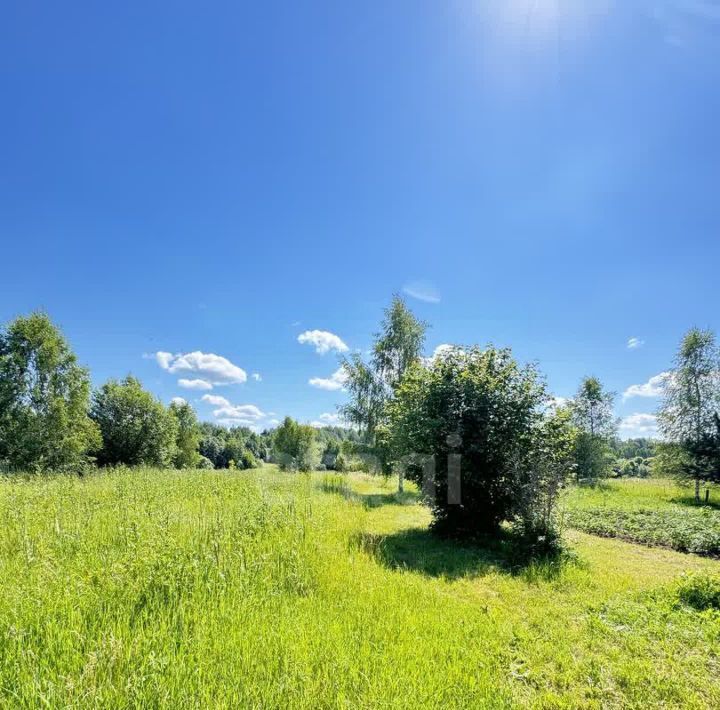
(339, 485)
(419, 550)
(689, 500)
(377, 500)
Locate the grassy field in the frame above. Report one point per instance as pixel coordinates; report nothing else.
(212, 589)
(653, 512)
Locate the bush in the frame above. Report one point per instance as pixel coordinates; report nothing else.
(700, 590)
(480, 415)
(247, 460)
(205, 463)
(295, 446)
(136, 428)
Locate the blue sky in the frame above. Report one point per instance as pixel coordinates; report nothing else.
(223, 177)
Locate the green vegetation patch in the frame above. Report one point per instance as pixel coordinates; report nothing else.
(649, 512)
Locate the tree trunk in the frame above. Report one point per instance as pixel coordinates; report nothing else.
(401, 479)
(697, 491)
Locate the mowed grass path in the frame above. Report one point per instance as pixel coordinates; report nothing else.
(216, 589)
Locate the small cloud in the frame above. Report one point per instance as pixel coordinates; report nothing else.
(256, 376)
(247, 412)
(215, 400)
(654, 387)
(274, 422)
(639, 425)
(195, 384)
(214, 369)
(323, 341)
(635, 343)
(328, 419)
(336, 381)
(178, 400)
(423, 291)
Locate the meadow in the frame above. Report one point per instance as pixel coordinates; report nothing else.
(156, 588)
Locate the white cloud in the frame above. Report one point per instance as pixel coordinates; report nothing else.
(328, 419)
(274, 422)
(332, 383)
(163, 359)
(423, 291)
(639, 425)
(194, 384)
(178, 400)
(654, 387)
(323, 341)
(635, 343)
(213, 369)
(256, 376)
(215, 400)
(247, 412)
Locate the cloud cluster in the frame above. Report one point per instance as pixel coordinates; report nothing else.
(654, 387)
(639, 425)
(210, 369)
(335, 382)
(635, 343)
(323, 341)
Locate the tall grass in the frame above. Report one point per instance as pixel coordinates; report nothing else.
(214, 589)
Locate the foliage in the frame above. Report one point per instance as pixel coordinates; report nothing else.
(637, 467)
(44, 399)
(248, 460)
(478, 418)
(397, 347)
(295, 446)
(222, 444)
(592, 415)
(634, 448)
(188, 435)
(691, 402)
(700, 590)
(204, 463)
(136, 428)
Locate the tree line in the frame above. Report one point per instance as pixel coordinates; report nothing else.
(51, 420)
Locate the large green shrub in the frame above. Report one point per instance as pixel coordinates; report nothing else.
(136, 428)
(295, 446)
(480, 412)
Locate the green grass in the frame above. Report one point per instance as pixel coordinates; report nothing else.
(652, 512)
(260, 589)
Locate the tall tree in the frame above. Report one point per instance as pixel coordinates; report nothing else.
(691, 401)
(44, 398)
(397, 347)
(592, 415)
(136, 428)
